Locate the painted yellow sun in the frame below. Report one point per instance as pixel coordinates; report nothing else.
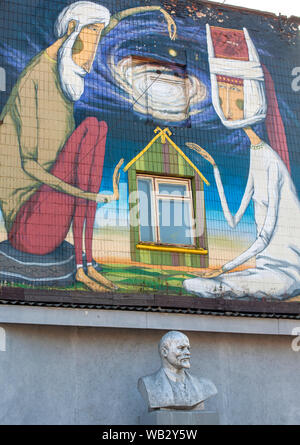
(172, 52)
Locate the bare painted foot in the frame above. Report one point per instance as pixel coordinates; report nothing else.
(91, 284)
(93, 273)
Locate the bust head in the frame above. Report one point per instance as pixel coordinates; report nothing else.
(174, 350)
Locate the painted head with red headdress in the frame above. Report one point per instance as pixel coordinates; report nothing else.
(243, 92)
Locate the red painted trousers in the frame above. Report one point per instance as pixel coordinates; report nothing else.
(44, 221)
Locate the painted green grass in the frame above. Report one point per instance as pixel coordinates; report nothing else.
(142, 279)
(131, 279)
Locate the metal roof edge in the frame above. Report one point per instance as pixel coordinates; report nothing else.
(251, 11)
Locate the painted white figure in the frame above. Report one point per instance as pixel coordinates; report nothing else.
(172, 387)
(277, 246)
(276, 205)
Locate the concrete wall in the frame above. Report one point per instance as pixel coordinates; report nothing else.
(76, 375)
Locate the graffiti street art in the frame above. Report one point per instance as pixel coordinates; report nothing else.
(149, 147)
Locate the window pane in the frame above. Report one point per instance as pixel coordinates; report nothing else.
(175, 222)
(172, 189)
(147, 233)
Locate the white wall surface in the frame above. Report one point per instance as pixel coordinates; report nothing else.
(79, 375)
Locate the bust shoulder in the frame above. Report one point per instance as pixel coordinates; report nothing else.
(157, 390)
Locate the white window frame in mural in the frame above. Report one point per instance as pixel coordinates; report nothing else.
(155, 197)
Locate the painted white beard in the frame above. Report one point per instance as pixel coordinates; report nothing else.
(71, 75)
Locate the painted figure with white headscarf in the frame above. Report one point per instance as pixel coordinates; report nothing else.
(55, 169)
(243, 94)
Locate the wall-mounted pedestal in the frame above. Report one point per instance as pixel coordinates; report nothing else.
(176, 417)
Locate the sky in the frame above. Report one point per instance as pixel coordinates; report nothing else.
(286, 7)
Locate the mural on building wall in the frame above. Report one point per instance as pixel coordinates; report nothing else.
(152, 147)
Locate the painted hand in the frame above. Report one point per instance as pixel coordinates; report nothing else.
(116, 178)
(212, 273)
(201, 152)
(172, 28)
(104, 198)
